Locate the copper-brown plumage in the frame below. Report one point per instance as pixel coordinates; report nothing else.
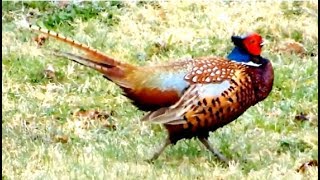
(191, 97)
(202, 115)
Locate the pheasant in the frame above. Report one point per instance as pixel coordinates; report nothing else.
(189, 97)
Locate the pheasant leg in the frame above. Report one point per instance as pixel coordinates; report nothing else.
(157, 154)
(206, 143)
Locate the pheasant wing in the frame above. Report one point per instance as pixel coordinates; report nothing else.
(190, 99)
(217, 78)
(174, 113)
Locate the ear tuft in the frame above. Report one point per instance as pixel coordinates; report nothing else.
(237, 41)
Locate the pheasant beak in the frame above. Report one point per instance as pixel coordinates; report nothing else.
(264, 42)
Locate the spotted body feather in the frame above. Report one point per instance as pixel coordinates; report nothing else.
(209, 105)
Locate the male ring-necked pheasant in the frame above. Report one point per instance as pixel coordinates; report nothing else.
(189, 97)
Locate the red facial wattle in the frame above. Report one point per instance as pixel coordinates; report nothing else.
(253, 44)
(254, 50)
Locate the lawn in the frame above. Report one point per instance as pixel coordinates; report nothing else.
(61, 120)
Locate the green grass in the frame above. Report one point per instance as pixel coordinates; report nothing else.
(266, 142)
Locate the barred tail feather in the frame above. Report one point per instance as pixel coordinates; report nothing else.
(116, 74)
(110, 68)
(92, 54)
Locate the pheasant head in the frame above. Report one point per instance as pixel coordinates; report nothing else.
(246, 47)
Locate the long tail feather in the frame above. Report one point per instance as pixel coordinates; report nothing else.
(112, 69)
(82, 60)
(92, 54)
(114, 72)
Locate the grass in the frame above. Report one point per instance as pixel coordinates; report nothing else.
(44, 138)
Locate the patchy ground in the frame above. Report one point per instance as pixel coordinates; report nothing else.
(62, 120)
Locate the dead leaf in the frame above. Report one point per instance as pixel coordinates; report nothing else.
(291, 46)
(41, 39)
(61, 138)
(301, 117)
(307, 165)
(63, 4)
(162, 14)
(49, 72)
(108, 125)
(101, 117)
(91, 114)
